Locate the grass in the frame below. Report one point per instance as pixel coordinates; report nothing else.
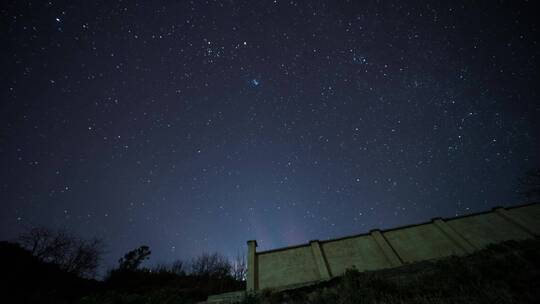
(505, 273)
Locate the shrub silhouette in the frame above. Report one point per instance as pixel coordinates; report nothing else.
(28, 279)
(133, 259)
(205, 275)
(72, 254)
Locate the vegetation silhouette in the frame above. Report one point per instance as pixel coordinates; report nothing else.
(28, 279)
(133, 259)
(54, 266)
(70, 253)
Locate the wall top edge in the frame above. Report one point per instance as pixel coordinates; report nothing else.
(395, 228)
(284, 248)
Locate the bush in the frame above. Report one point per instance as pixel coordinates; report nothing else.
(72, 254)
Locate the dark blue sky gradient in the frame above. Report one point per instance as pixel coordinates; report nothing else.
(194, 126)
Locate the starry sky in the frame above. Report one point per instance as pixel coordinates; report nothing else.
(193, 126)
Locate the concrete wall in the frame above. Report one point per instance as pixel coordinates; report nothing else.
(526, 217)
(287, 267)
(322, 260)
(361, 252)
(485, 229)
(422, 242)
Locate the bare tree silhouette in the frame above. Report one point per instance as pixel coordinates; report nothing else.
(72, 254)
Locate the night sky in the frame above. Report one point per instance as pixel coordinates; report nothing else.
(193, 126)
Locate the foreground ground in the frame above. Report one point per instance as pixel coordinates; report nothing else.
(503, 273)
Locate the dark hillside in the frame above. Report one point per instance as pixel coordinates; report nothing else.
(505, 273)
(29, 280)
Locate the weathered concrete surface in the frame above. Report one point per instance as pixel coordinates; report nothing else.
(484, 229)
(526, 217)
(387, 251)
(321, 260)
(465, 246)
(286, 267)
(435, 244)
(362, 252)
(251, 280)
